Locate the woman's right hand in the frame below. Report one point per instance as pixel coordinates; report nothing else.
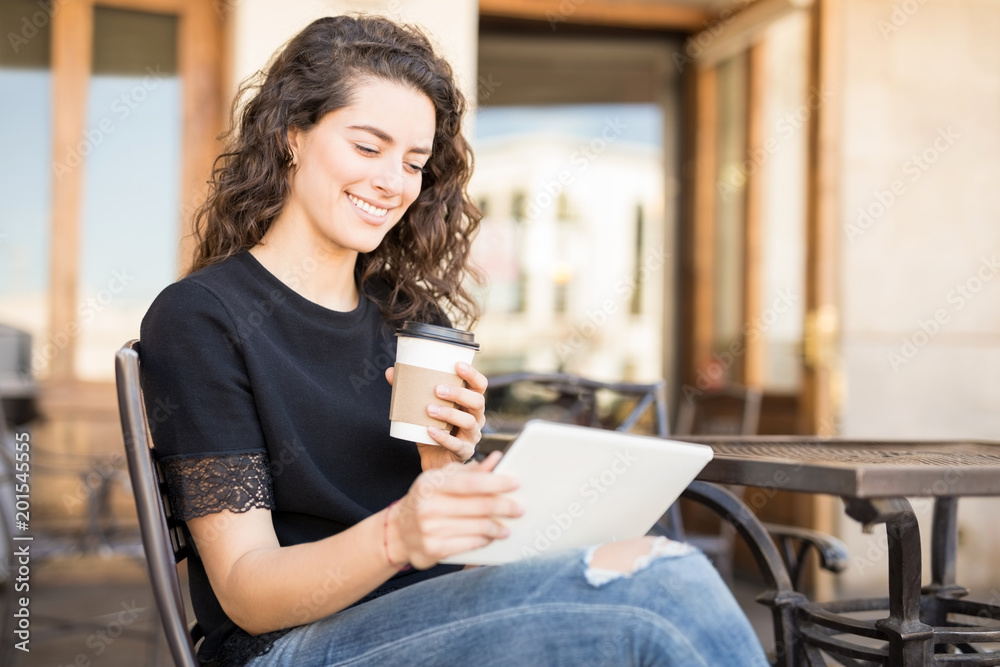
(450, 510)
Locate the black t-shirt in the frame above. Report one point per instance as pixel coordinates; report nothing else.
(258, 397)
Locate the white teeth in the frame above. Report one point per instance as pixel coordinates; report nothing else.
(368, 208)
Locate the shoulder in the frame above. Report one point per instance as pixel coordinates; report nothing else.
(189, 333)
(210, 289)
(199, 303)
(183, 302)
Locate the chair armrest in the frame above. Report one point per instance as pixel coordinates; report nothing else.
(795, 544)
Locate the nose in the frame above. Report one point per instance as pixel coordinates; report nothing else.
(389, 181)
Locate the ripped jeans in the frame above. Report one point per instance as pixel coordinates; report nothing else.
(672, 609)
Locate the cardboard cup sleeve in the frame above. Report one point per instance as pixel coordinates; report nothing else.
(413, 390)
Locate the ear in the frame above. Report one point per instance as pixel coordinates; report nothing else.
(295, 138)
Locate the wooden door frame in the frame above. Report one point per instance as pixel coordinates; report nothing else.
(698, 260)
(199, 66)
(645, 14)
(817, 408)
(752, 368)
(726, 35)
(697, 284)
(818, 413)
(739, 33)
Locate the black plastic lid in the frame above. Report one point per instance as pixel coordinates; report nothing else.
(434, 332)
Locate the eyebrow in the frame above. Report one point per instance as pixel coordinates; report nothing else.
(382, 135)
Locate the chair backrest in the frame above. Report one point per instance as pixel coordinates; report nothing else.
(732, 410)
(163, 536)
(577, 398)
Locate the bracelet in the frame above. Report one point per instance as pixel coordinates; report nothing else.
(385, 540)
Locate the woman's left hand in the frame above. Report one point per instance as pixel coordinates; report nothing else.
(468, 417)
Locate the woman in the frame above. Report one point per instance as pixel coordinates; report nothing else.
(338, 212)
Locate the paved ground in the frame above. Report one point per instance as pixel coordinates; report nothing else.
(93, 612)
(111, 615)
(114, 616)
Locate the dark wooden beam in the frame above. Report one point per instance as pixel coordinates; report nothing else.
(646, 14)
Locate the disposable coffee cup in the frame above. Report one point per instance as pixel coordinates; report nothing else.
(426, 355)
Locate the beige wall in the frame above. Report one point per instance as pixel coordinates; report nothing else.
(922, 114)
(259, 27)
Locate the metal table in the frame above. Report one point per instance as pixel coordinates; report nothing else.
(932, 625)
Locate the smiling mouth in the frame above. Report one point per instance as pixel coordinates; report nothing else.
(366, 207)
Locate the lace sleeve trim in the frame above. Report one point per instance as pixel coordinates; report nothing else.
(236, 482)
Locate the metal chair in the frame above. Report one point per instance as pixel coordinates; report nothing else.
(164, 537)
(732, 410)
(574, 399)
(735, 410)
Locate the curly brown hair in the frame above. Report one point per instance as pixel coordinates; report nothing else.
(424, 259)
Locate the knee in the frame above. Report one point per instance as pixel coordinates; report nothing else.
(621, 559)
(622, 556)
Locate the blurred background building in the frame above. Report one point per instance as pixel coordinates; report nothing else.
(791, 194)
(572, 239)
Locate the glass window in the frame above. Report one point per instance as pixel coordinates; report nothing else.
(496, 252)
(25, 171)
(730, 207)
(567, 296)
(786, 108)
(131, 206)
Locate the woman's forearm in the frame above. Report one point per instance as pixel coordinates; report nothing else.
(269, 587)
(263, 586)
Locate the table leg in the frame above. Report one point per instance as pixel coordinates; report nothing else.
(911, 641)
(944, 545)
(944, 552)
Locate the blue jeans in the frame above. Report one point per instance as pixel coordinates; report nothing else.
(549, 610)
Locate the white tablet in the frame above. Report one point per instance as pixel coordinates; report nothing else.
(583, 486)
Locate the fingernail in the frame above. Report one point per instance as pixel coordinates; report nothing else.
(442, 390)
(463, 367)
(433, 410)
(504, 532)
(433, 430)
